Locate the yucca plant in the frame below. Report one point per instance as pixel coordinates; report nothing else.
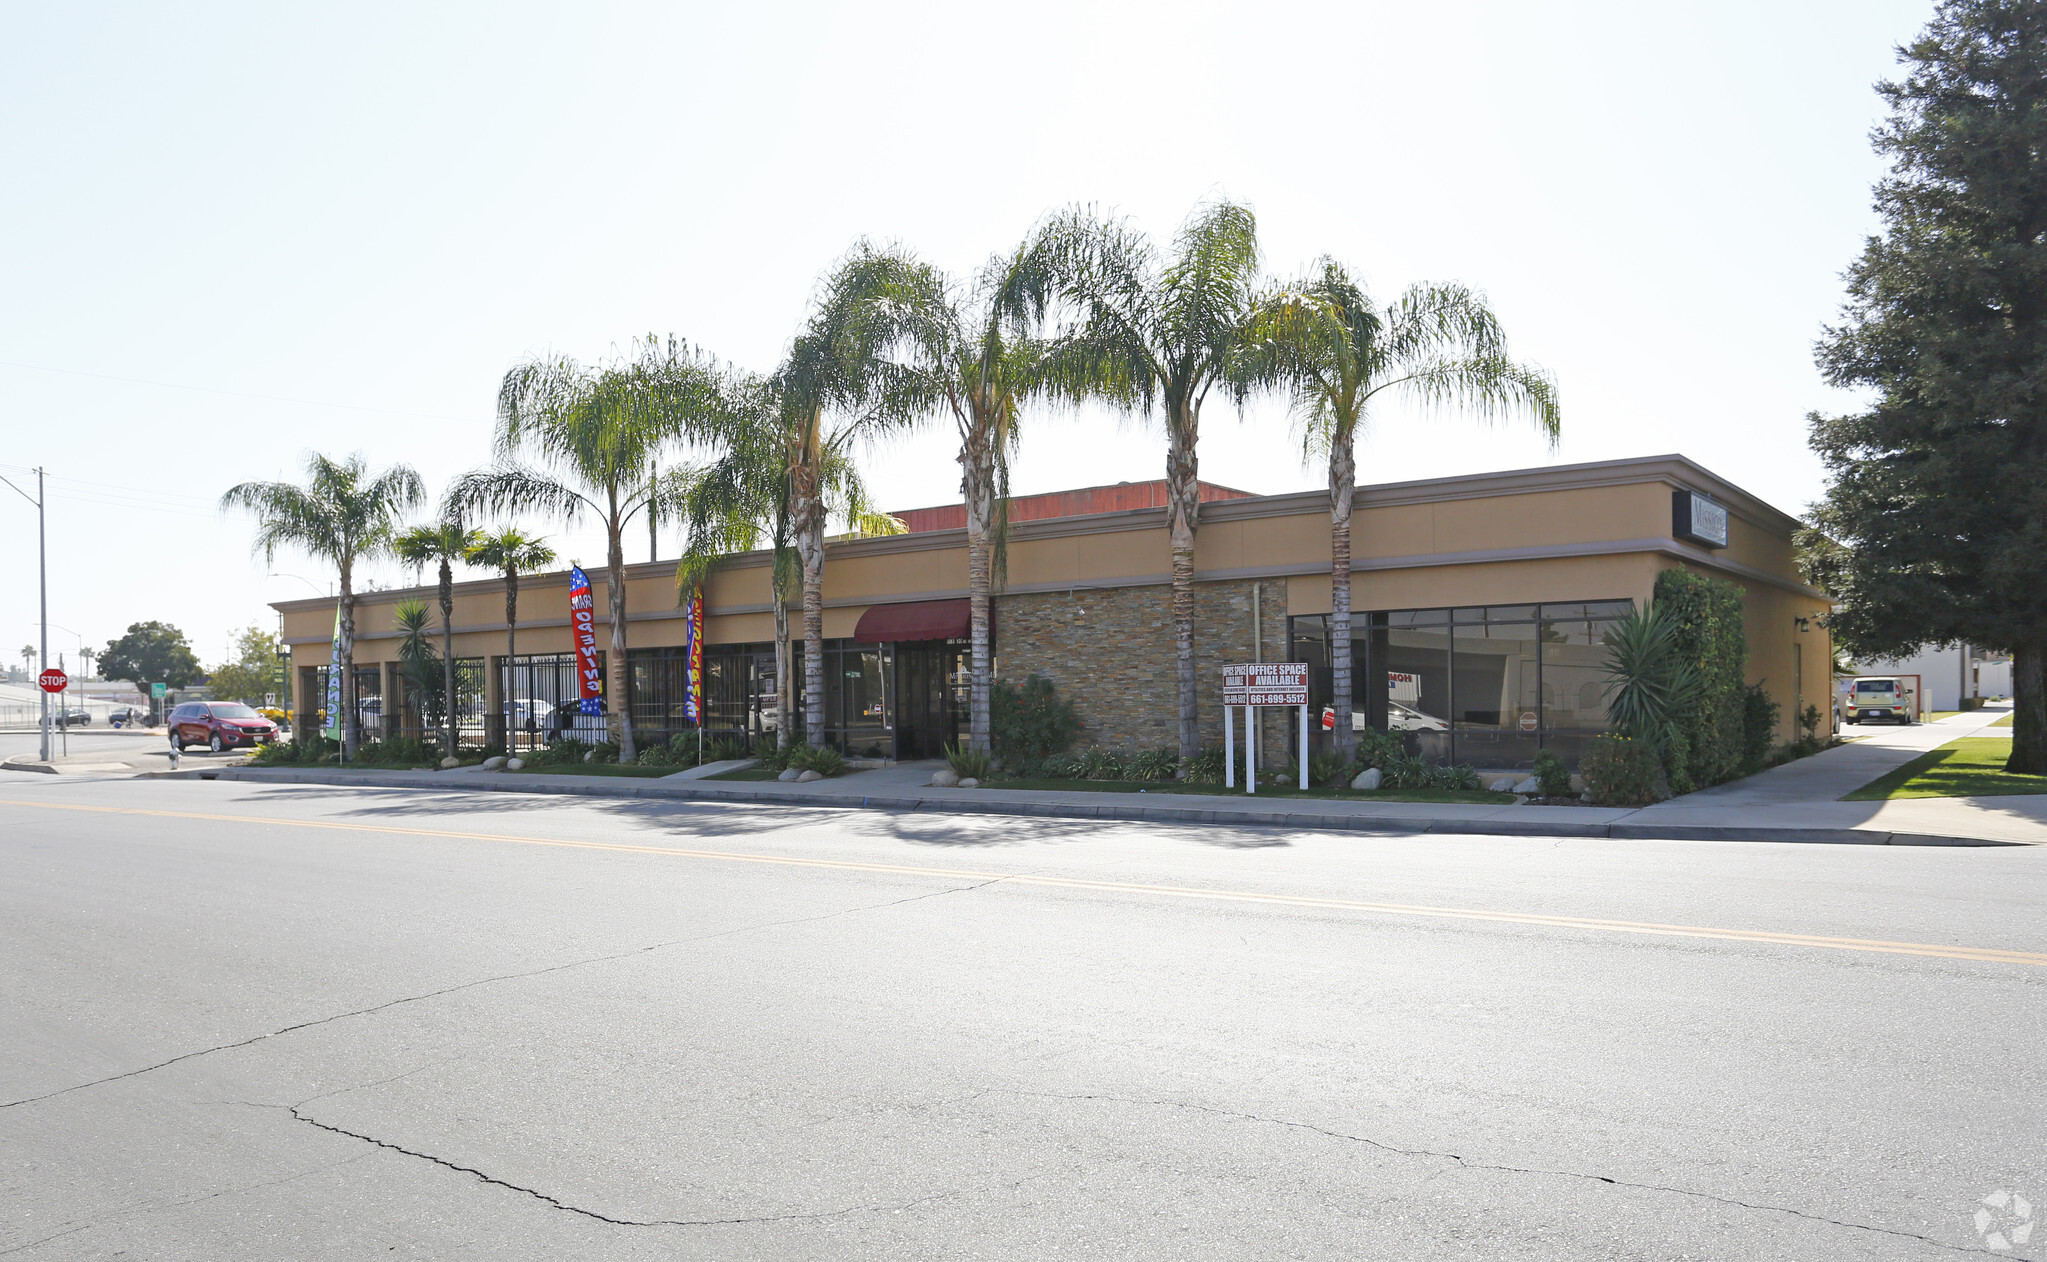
(968, 763)
(1648, 680)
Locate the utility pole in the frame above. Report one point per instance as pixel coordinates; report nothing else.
(43, 584)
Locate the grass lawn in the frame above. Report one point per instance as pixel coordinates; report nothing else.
(1970, 767)
(599, 769)
(2003, 722)
(1479, 796)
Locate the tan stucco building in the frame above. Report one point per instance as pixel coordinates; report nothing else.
(1479, 602)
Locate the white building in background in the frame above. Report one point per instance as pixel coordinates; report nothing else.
(1946, 675)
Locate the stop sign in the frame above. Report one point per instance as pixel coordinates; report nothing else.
(53, 680)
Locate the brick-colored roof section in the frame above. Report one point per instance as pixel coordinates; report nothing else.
(1122, 497)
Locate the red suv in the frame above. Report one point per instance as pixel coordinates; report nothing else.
(218, 725)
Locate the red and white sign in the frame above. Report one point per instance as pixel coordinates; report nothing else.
(1266, 683)
(53, 680)
(583, 634)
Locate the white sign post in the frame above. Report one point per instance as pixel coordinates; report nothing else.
(1254, 684)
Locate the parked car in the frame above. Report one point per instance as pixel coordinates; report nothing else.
(71, 718)
(1879, 698)
(128, 716)
(219, 725)
(1399, 718)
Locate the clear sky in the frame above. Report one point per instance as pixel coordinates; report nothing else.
(234, 234)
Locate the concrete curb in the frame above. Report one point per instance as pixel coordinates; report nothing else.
(769, 793)
(21, 762)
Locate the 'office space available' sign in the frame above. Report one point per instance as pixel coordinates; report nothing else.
(1266, 683)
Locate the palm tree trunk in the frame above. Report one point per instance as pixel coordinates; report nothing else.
(351, 727)
(511, 656)
(1343, 477)
(2029, 710)
(785, 682)
(1183, 509)
(447, 659)
(977, 462)
(615, 682)
(809, 533)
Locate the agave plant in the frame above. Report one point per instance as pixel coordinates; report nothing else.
(1648, 680)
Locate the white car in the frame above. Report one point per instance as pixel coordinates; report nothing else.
(1399, 718)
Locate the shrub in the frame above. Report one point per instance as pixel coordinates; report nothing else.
(1101, 764)
(1031, 721)
(725, 748)
(1706, 614)
(1206, 767)
(1758, 726)
(967, 764)
(1552, 777)
(1155, 764)
(1809, 718)
(774, 757)
(1328, 770)
(1374, 747)
(824, 760)
(1677, 761)
(1623, 771)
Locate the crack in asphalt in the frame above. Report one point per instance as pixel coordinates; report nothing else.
(557, 1203)
(488, 981)
(1469, 1164)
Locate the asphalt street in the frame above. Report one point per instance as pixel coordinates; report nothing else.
(265, 1022)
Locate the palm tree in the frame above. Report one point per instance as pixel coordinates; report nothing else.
(511, 552)
(974, 349)
(343, 516)
(742, 502)
(595, 434)
(1336, 351)
(836, 389)
(1151, 332)
(444, 543)
(419, 665)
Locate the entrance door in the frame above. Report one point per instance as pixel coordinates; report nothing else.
(926, 720)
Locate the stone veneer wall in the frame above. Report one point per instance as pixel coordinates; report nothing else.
(1110, 651)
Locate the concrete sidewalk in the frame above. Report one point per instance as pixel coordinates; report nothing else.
(2021, 821)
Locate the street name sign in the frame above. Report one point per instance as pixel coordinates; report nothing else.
(1266, 683)
(53, 680)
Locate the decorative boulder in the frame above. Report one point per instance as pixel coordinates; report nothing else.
(970, 783)
(807, 776)
(1368, 779)
(493, 763)
(1529, 786)
(450, 761)
(789, 774)
(1505, 784)
(943, 778)
(515, 764)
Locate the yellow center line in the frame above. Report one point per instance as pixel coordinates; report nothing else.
(1994, 955)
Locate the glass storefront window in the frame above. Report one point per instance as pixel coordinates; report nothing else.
(1416, 679)
(1483, 685)
(1573, 681)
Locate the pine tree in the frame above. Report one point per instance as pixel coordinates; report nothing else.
(1934, 525)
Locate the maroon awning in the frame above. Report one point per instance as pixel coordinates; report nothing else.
(915, 620)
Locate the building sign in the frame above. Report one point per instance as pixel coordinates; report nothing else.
(1696, 519)
(583, 633)
(1266, 683)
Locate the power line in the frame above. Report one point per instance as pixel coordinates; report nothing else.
(240, 394)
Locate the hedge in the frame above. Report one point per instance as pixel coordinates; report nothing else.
(1708, 615)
